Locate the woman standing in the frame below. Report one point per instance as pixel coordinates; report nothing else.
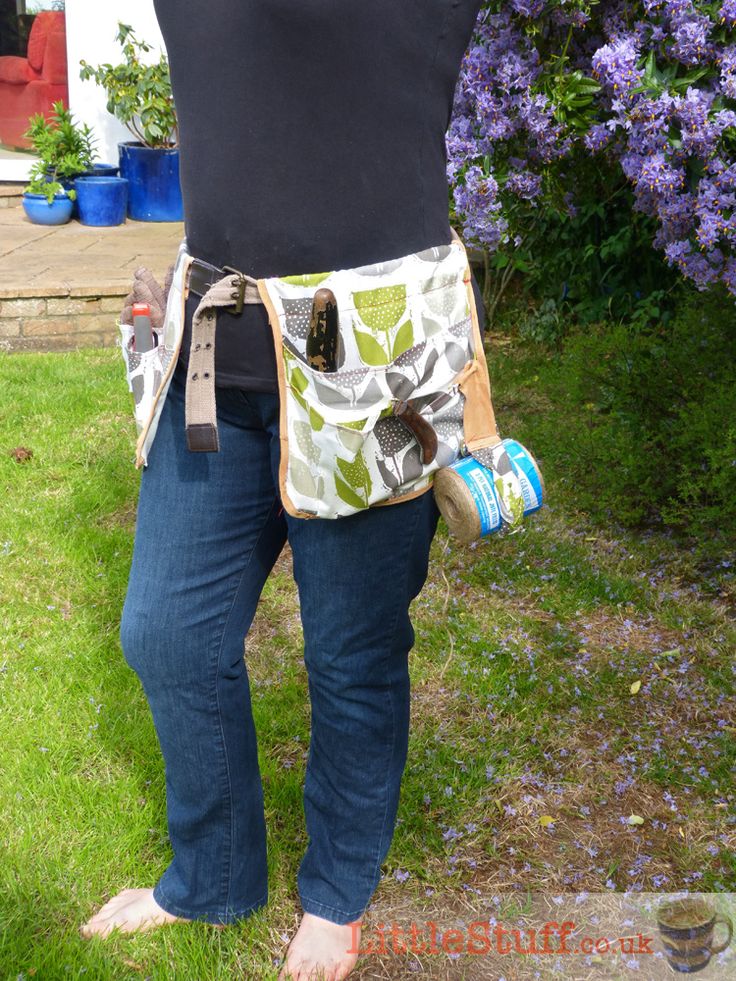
(312, 137)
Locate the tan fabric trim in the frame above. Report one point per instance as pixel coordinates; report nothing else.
(406, 497)
(170, 371)
(479, 419)
(283, 425)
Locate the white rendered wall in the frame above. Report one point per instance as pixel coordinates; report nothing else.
(91, 26)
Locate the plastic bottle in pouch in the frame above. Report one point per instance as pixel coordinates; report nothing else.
(144, 338)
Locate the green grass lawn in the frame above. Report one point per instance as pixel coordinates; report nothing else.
(570, 670)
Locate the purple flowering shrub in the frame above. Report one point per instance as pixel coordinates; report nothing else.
(548, 86)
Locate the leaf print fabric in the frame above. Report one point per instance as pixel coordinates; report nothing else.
(406, 335)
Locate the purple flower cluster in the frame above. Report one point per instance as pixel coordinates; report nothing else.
(656, 92)
(499, 108)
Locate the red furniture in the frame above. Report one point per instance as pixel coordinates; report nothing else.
(32, 84)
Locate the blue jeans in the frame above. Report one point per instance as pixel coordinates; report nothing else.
(209, 528)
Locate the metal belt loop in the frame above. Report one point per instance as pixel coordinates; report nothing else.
(200, 401)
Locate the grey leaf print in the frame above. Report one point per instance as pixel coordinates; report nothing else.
(411, 356)
(461, 329)
(371, 395)
(392, 435)
(456, 357)
(447, 430)
(303, 432)
(442, 301)
(411, 467)
(446, 455)
(422, 401)
(429, 367)
(449, 415)
(352, 378)
(379, 268)
(503, 464)
(328, 396)
(431, 326)
(491, 459)
(390, 479)
(401, 386)
(436, 254)
(298, 312)
(302, 477)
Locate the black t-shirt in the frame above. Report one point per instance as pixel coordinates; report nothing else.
(312, 138)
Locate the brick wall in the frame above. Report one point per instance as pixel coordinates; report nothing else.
(59, 323)
(11, 195)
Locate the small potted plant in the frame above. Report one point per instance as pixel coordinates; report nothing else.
(47, 202)
(65, 151)
(139, 95)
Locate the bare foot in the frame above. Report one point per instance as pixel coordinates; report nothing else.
(321, 950)
(131, 911)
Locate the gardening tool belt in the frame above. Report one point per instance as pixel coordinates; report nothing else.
(400, 391)
(406, 393)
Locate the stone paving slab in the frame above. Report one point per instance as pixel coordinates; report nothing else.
(82, 255)
(61, 287)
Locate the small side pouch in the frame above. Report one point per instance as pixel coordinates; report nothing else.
(143, 371)
(148, 373)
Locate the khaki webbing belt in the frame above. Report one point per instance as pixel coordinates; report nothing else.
(200, 405)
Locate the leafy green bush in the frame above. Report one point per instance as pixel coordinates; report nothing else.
(64, 149)
(581, 262)
(138, 94)
(660, 441)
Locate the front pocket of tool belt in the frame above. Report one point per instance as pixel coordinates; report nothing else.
(347, 449)
(143, 371)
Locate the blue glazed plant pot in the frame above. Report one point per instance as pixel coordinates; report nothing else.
(41, 212)
(154, 191)
(103, 170)
(68, 184)
(102, 200)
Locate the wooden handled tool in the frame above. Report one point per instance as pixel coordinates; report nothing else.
(418, 426)
(324, 332)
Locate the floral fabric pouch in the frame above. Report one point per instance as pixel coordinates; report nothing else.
(149, 373)
(409, 337)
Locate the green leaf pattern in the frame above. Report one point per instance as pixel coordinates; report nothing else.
(356, 475)
(414, 326)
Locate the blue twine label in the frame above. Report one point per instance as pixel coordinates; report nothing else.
(531, 487)
(479, 481)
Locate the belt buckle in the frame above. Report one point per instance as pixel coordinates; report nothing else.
(239, 297)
